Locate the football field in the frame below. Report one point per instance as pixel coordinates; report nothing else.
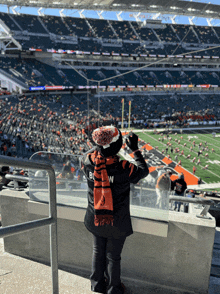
(185, 147)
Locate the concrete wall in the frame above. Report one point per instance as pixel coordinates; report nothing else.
(180, 259)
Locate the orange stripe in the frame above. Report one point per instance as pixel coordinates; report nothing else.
(189, 178)
(124, 163)
(173, 177)
(132, 168)
(166, 160)
(148, 147)
(151, 169)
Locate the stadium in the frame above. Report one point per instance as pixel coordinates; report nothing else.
(168, 72)
(63, 76)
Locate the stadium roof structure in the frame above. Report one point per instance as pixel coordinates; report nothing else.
(175, 7)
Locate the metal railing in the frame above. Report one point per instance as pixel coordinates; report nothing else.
(51, 220)
(206, 202)
(18, 178)
(197, 200)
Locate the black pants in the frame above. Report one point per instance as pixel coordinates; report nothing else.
(106, 265)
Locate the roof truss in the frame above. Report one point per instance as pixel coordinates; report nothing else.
(175, 7)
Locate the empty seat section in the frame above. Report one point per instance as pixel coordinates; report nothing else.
(123, 30)
(206, 35)
(29, 23)
(102, 28)
(185, 33)
(77, 26)
(55, 25)
(7, 20)
(146, 34)
(166, 34)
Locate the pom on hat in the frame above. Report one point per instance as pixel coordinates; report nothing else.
(104, 136)
(108, 139)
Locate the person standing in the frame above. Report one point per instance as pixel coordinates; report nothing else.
(179, 186)
(190, 194)
(163, 187)
(108, 214)
(199, 181)
(194, 169)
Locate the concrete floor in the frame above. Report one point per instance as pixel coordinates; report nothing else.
(22, 276)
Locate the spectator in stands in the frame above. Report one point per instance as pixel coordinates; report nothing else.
(163, 187)
(179, 186)
(107, 216)
(67, 170)
(3, 171)
(190, 194)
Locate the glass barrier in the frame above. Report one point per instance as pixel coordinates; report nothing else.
(146, 200)
(71, 184)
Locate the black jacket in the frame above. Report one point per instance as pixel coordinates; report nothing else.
(179, 185)
(120, 174)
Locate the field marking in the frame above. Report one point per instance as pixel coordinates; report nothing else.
(171, 159)
(212, 140)
(175, 161)
(196, 152)
(198, 148)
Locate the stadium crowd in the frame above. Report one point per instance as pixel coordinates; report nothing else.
(51, 122)
(32, 125)
(47, 32)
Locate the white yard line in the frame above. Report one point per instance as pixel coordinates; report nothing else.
(209, 140)
(198, 149)
(186, 147)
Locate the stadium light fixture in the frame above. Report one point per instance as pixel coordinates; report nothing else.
(153, 6)
(191, 9)
(209, 11)
(173, 7)
(116, 4)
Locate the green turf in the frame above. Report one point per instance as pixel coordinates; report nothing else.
(210, 175)
(212, 190)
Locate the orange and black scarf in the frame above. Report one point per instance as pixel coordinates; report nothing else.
(103, 201)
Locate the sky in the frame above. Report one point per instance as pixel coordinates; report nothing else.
(113, 15)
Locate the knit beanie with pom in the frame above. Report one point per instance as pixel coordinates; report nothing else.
(108, 140)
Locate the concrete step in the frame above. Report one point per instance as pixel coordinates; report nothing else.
(20, 275)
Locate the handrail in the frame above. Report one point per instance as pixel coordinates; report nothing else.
(51, 220)
(19, 178)
(197, 200)
(192, 200)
